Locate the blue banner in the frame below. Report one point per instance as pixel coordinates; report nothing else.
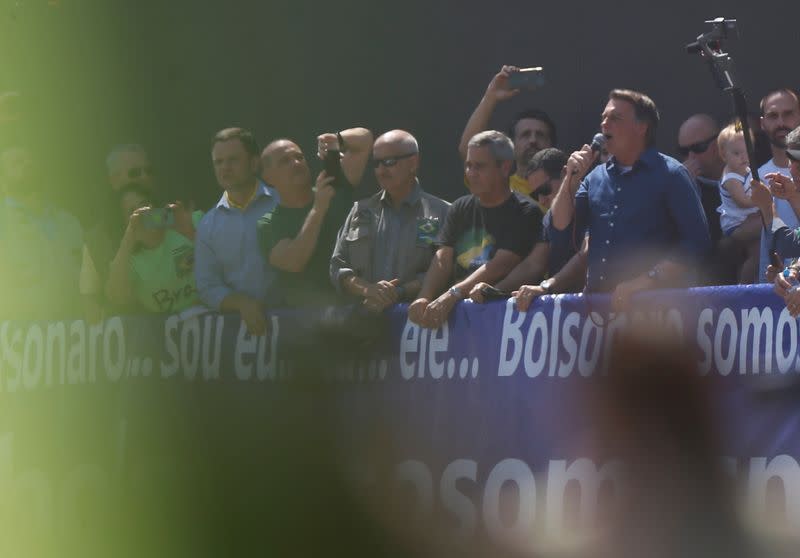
(491, 399)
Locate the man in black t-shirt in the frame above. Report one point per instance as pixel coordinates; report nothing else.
(298, 237)
(485, 235)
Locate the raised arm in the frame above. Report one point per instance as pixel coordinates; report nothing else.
(355, 151)
(118, 286)
(564, 204)
(497, 91)
(293, 254)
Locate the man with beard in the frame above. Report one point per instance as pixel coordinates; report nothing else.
(531, 130)
(780, 114)
(298, 237)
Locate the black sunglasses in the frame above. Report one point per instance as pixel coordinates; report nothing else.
(390, 161)
(137, 172)
(699, 147)
(545, 190)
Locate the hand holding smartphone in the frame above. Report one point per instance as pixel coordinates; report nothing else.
(158, 218)
(527, 78)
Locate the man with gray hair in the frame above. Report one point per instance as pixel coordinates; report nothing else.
(128, 164)
(127, 167)
(388, 240)
(486, 233)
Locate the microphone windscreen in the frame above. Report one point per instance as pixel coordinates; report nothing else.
(598, 142)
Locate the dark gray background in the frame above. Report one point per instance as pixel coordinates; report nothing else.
(171, 73)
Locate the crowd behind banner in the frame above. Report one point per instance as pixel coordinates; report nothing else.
(618, 216)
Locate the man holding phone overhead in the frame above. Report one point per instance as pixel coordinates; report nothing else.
(531, 130)
(298, 237)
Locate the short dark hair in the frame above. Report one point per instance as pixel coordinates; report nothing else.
(245, 136)
(550, 160)
(778, 91)
(534, 114)
(645, 110)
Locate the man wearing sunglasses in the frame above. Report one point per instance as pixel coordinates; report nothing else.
(387, 241)
(780, 114)
(697, 148)
(486, 234)
(545, 173)
(298, 237)
(127, 165)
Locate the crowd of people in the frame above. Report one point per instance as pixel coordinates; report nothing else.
(618, 217)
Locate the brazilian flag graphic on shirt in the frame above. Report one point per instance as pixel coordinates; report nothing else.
(474, 248)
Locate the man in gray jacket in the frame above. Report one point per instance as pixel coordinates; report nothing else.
(388, 240)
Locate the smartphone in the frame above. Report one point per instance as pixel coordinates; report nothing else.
(527, 78)
(333, 166)
(158, 218)
(492, 293)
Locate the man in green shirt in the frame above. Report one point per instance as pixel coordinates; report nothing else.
(298, 237)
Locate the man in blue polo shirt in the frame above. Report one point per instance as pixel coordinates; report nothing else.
(231, 273)
(643, 214)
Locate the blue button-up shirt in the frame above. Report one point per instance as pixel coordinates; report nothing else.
(227, 257)
(637, 217)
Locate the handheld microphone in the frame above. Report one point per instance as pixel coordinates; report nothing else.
(598, 143)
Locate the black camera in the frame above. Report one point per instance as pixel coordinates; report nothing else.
(711, 41)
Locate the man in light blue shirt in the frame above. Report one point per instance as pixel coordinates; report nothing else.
(231, 273)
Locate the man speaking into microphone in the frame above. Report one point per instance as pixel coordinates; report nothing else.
(645, 222)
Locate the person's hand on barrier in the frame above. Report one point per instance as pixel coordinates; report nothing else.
(327, 142)
(476, 294)
(622, 295)
(324, 192)
(527, 294)
(580, 162)
(783, 284)
(781, 186)
(439, 310)
(416, 310)
(380, 295)
(252, 314)
(498, 89)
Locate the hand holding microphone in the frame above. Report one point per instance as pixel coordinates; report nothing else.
(581, 161)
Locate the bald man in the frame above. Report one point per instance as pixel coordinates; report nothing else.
(298, 237)
(387, 241)
(697, 147)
